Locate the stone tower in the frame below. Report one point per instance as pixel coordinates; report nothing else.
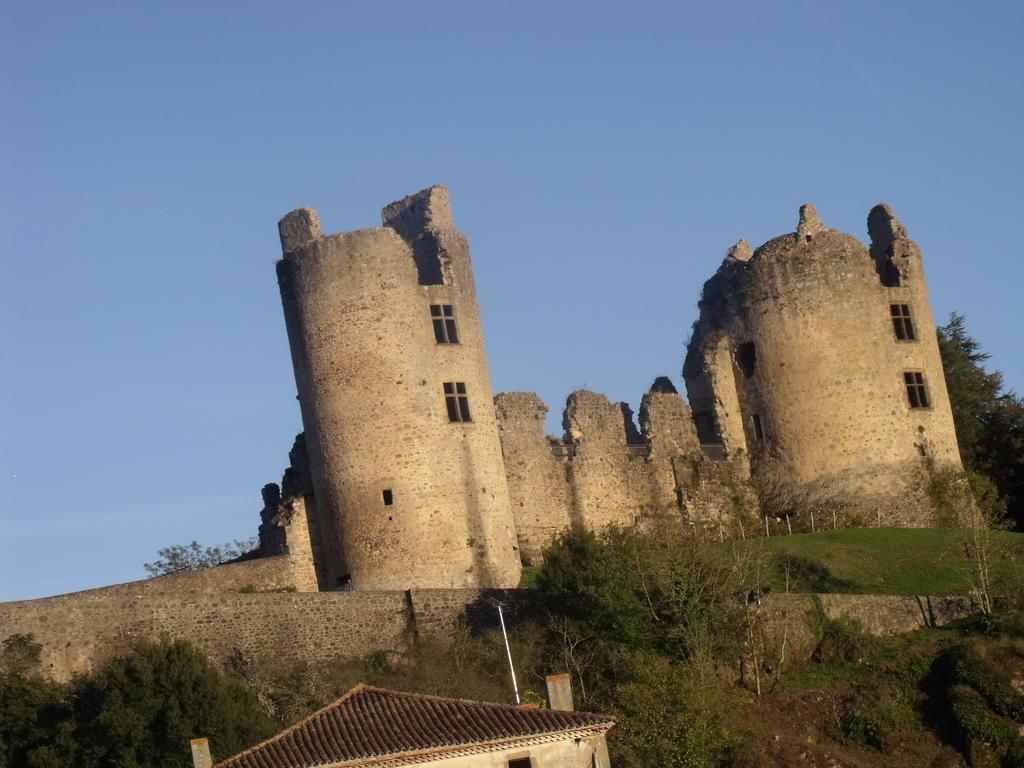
(816, 358)
(396, 401)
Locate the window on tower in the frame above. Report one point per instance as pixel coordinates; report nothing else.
(917, 392)
(443, 317)
(901, 322)
(456, 401)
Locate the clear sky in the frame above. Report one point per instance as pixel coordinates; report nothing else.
(601, 158)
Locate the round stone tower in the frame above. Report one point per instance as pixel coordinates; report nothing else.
(816, 358)
(396, 401)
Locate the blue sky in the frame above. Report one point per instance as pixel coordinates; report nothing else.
(601, 157)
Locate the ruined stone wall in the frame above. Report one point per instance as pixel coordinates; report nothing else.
(605, 471)
(370, 376)
(290, 522)
(82, 630)
(791, 618)
(541, 497)
(795, 346)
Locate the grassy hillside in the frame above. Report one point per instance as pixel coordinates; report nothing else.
(870, 560)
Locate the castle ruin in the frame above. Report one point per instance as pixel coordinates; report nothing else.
(412, 493)
(813, 360)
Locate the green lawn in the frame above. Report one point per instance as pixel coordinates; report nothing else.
(909, 561)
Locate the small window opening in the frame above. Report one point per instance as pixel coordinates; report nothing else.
(755, 423)
(746, 358)
(456, 401)
(917, 392)
(520, 762)
(443, 316)
(901, 322)
(389, 497)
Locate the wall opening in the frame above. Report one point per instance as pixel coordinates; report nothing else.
(902, 325)
(443, 317)
(388, 496)
(917, 392)
(746, 358)
(456, 401)
(887, 271)
(426, 253)
(757, 426)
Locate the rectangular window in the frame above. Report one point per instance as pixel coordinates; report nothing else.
(456, 401)
(389, 497)
(520, 762)
(901, 322)
(917, 393)
(443, 316)
(755, 422)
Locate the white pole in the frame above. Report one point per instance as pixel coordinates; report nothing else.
(512, 669)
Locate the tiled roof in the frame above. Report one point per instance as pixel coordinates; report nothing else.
(370, 722)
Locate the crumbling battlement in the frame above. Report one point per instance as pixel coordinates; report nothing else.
(606, 471)
(803, 358)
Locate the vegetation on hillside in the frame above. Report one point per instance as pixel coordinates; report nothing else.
(892, 561)
(989, 419)
(653, 627)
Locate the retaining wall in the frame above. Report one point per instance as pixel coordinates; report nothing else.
(80, 631)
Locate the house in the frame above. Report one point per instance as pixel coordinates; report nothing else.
(372, 727)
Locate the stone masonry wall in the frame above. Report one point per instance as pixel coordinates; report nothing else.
(80, 631)
(605, 471)
(789, 618)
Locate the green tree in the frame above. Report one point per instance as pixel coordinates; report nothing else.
(192, 557)
(644, 624)
(34, 712)
(139, 710)
(144, 708)
(989, 420)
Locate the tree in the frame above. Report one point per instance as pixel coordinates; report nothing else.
(989, 420)
(644, 622)
(33, 711)
(192, 557)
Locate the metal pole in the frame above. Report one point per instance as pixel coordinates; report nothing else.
(512, 669)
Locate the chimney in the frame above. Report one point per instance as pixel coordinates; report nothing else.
(201, 753)
(559, 692)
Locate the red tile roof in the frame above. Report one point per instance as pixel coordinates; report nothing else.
(371, 726)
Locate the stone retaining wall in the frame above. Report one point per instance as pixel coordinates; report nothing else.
(80, 631)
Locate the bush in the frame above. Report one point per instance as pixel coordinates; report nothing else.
(672, 715)
(841, 641)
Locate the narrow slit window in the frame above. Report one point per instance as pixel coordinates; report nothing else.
(456, 401)
(755, 423)
(746, 357)
(389, 497)
(917, 392)
(901, 322)
(443, 317)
